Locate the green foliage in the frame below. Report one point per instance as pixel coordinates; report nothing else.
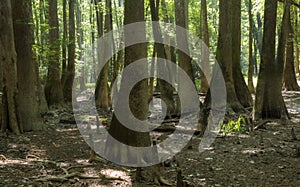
(235, 127)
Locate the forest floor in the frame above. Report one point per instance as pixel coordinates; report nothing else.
(59, 157)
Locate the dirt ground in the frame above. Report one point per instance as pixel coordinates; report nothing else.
(264, 157)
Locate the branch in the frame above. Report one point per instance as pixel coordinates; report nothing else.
(292, 2)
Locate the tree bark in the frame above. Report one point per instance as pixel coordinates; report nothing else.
(165, 88)
(205, 51)
(296, 19)
(224, 53)
(290, 80)
(269, 101)
(138, 101)
(70, 74)
(250, 59)
(64, 44)
(53, 88)
(241, 89)
(28, 80)
(8, 57)
(102, 90)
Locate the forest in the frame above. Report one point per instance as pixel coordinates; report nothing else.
(149, 93)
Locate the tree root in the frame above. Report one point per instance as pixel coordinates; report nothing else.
(94, 158)
(157, 178)
(67, 177)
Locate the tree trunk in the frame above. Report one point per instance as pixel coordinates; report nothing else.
(53, 89)
(8, 57)
(138, 101)
(70, 74)
(205, 51)
(242, 92)
(64, 44)
(290, 81)
(224, 53)
(29, 97)
(269, 101)
(184, 59)
(102, 90)
(165, 88)
(296, 39)
(80, 43)
(250, 59)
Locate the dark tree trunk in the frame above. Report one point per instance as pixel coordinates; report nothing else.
(70, 74)
(296, 39)
(205, 50)
(224, 53)
(269, 101)
(53, 88)
(138, 101)
(29, 96)
(241, 89)
(290, 81)
(64, 44)
(80, 36)
(250, 59)
(8, 57)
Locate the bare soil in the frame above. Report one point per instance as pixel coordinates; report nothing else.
(59, 157)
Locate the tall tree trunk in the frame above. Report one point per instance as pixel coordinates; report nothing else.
(80, 43)
(250, 59)
(53, 88)
(64, 44)
(8, 57)
(70, 74)
(165, 88)
(205, 50)
(241, 89)
(138, 102)
(29, 97)
(296, 39)
(102, 91)
(224, 53)
(184, 59)
(269, 101)
(290, 81)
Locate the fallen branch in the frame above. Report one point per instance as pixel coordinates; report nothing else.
(67, 177)
(3, 158)
(261, 124)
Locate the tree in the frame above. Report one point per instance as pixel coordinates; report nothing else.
(225, 52)
(134, 12)
(138, 101)
(290, 81)
(205, 53)
(242, 92)
(29, 99)
(70, 74)
(80, 40)
(102, 90)
(250, 59)
(64, 44)
(184, 60)
(165, 88)
(269, 101)
(296, 39)
(53, 88)
(8, 57)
